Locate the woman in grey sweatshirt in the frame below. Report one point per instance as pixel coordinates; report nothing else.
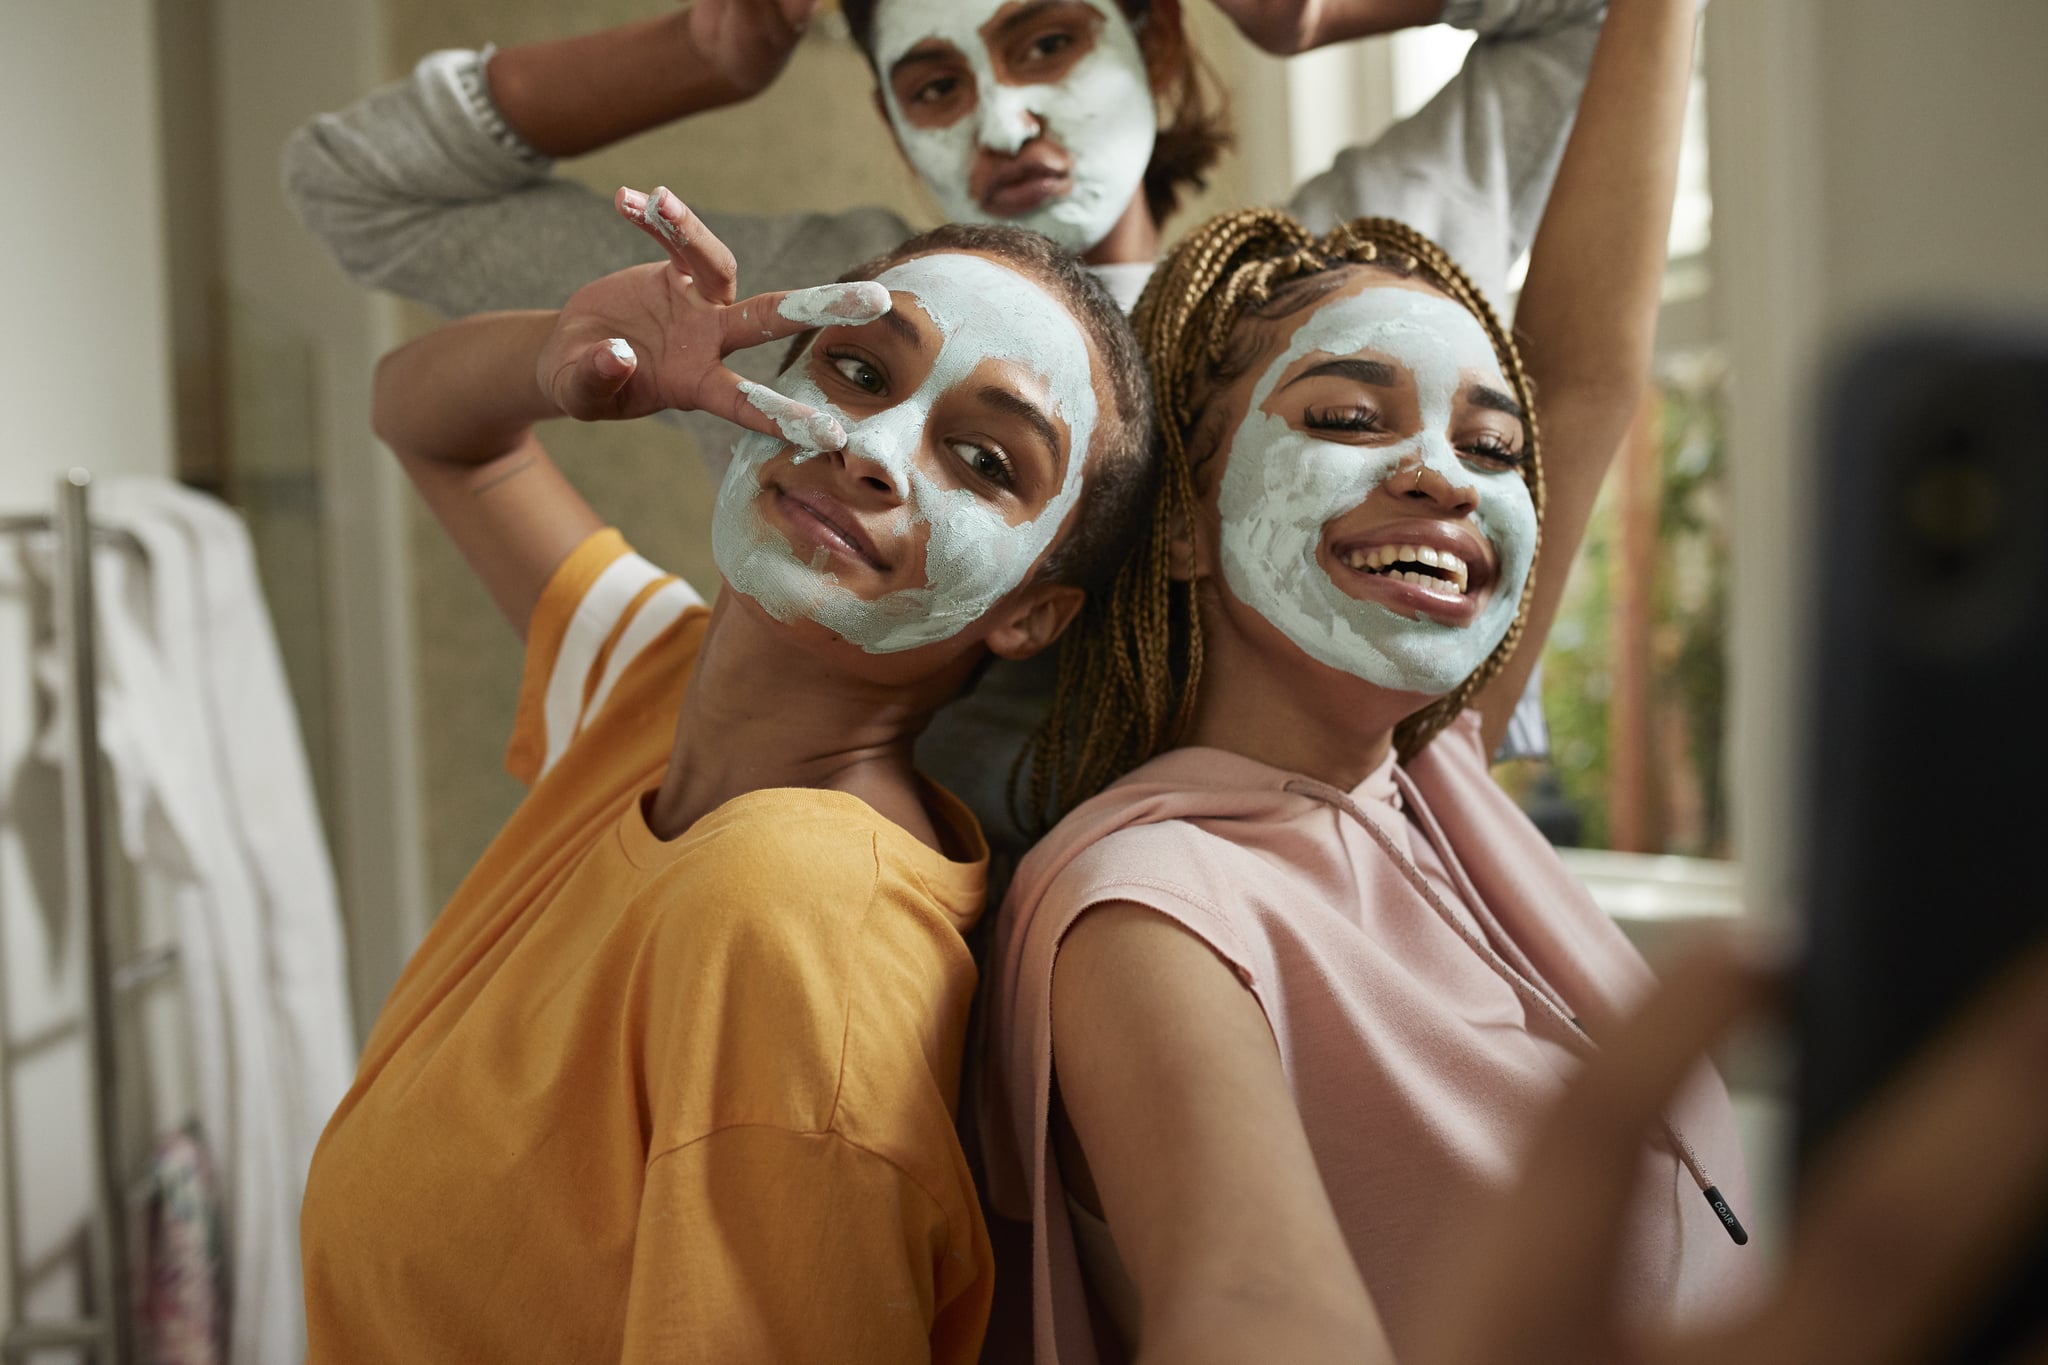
(440, 187)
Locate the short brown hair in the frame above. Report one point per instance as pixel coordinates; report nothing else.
(1194, 114)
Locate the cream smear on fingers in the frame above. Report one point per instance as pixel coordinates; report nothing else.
(1283, 486)
(832, 305)
(972, 556)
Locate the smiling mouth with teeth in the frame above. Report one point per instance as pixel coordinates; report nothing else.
(1417, 564)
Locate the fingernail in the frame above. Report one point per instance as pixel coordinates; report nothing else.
(632, 201)
(616, 358)
(655, 214)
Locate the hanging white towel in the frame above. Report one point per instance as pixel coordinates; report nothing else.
(211, 782)
(270, 794)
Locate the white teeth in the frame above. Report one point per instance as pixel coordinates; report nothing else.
(1455, 573)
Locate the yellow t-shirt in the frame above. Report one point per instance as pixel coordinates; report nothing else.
(646, 1101)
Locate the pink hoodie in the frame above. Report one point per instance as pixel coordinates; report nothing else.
(1422, 1045)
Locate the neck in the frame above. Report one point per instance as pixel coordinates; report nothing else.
(1132, 240)
(1263, 698)
(763, 710)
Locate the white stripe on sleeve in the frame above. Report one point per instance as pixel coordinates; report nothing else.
(656, 614)
(597, 615)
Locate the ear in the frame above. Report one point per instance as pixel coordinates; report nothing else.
(1036, 618)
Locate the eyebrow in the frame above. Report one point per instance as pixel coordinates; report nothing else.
(1004, 400)
(1022, 15)
(902, 326)
(1377, 373)
(1484, 397)
(927, 51)
(1382, 375)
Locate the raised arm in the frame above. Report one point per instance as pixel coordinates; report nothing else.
(440, 187)
(574, 95)
(458, 405)
(1287, 27)
(1472, 168)
(1588, 312)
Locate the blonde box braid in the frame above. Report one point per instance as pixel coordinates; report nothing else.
(1130, 670)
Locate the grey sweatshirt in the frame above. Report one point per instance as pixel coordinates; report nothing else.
(421, 188)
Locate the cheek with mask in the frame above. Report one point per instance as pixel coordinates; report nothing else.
(1282, 487)
(1101, 111)
(972, 556)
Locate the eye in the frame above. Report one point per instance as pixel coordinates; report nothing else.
(935, 91)
(1352, 419)
(858, 372)
(986, 462)
(1047, 46)
(1491, 449)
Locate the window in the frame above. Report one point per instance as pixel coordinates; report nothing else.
(1635, 673)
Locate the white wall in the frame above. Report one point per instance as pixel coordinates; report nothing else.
(289, 309)
(86, 381)
(1871, 158)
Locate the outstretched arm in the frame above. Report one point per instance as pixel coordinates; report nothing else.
(1588, 312)
(1171, 1080)
(1891, 1246)
(458, 406)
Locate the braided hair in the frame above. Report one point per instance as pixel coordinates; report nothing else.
(1130, 670)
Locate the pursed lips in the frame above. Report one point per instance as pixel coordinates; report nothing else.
(1029, 180)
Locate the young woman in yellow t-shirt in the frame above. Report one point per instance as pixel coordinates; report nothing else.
(673, 1076)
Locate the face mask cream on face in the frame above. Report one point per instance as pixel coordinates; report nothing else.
(1284, 486)
(1100, 111)
(972, 556)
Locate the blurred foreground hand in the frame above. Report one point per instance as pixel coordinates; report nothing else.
(1909, 1217)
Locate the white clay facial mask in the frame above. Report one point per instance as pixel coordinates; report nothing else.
(972, 555)
(1284, 486)
(1099, 110)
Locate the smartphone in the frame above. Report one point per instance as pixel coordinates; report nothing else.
(1927, 803)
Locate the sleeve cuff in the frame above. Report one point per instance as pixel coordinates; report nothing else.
(1524, 18)
(465, 71)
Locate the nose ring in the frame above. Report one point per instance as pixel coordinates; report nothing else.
(1418, 474)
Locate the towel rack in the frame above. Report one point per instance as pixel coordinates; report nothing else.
(110, 1332)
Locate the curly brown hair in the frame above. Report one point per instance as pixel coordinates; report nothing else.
(1194, 113)
(1131, 666)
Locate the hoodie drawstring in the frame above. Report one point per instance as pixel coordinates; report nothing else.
(1522, 986)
